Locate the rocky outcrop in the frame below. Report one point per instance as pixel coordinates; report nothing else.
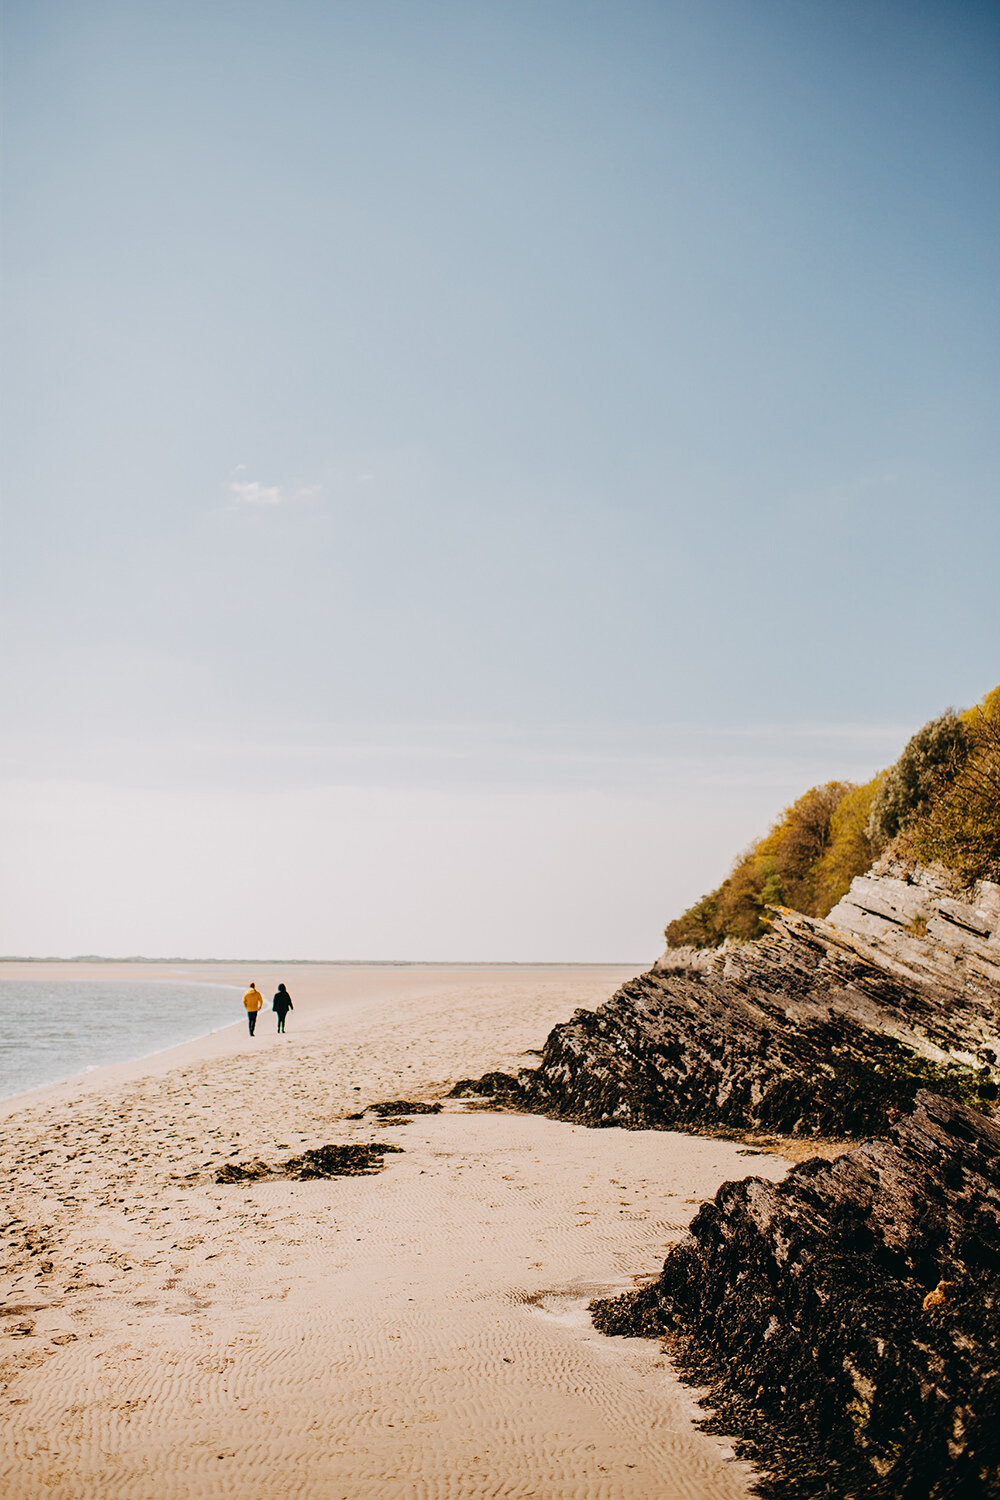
(816, 1028)
(911, 921)
(802, 1306)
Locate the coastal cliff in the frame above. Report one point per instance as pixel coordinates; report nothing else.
(828, 1018)
(846, 1321)
(825, 1026)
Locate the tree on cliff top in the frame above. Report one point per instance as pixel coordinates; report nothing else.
(960, 828)
(807, 860)
(930, 760)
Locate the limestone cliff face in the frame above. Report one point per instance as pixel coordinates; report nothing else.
(801, 1305)
(910, 921)
(822, 1026)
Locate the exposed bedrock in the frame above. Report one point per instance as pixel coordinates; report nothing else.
(801, 1305)
(813, 1029)
(912, 921)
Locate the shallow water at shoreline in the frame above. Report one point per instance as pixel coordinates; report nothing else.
(52, 1029)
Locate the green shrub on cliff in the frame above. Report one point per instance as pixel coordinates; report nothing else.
(960, 828)
(930, 760)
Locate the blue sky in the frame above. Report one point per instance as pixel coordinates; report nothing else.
(480, 401)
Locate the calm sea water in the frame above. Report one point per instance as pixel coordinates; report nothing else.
(53, 1028)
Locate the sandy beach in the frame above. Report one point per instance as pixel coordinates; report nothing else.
(422, 1332)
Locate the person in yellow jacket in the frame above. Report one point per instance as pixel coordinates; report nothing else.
(253, 1000)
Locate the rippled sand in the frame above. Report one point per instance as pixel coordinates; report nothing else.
(420, 1333)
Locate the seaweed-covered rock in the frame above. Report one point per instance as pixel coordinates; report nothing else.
(802, 1306)
(803, 1031)
(490, 1086)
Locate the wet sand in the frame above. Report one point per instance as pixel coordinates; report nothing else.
(419, 1333)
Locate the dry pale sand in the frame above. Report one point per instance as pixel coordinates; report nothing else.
(420, 1333)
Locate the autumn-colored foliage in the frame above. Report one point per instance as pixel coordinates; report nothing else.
(848, 851)
(939, 803)
(807, 861)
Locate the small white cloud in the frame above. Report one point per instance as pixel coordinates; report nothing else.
(243, 491)
(252, 492)
(365, 478)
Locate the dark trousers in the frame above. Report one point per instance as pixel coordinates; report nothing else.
(281, 1014)
(251, 1020)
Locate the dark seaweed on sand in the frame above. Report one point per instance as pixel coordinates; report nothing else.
(243, 1171)
(359, 1160)
(393, 1107)
(404, 1107)
(338, 1161)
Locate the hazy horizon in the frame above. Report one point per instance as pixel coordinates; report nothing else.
(347, 963)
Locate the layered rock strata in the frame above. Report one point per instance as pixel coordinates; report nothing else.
(802, 1306)
(911, 921)
(816, 1028)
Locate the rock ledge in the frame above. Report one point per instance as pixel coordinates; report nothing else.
(814, 1029)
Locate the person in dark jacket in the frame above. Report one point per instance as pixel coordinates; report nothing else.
(281, 1005)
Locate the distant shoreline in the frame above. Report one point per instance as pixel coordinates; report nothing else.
(333, 990)
(349, 963)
